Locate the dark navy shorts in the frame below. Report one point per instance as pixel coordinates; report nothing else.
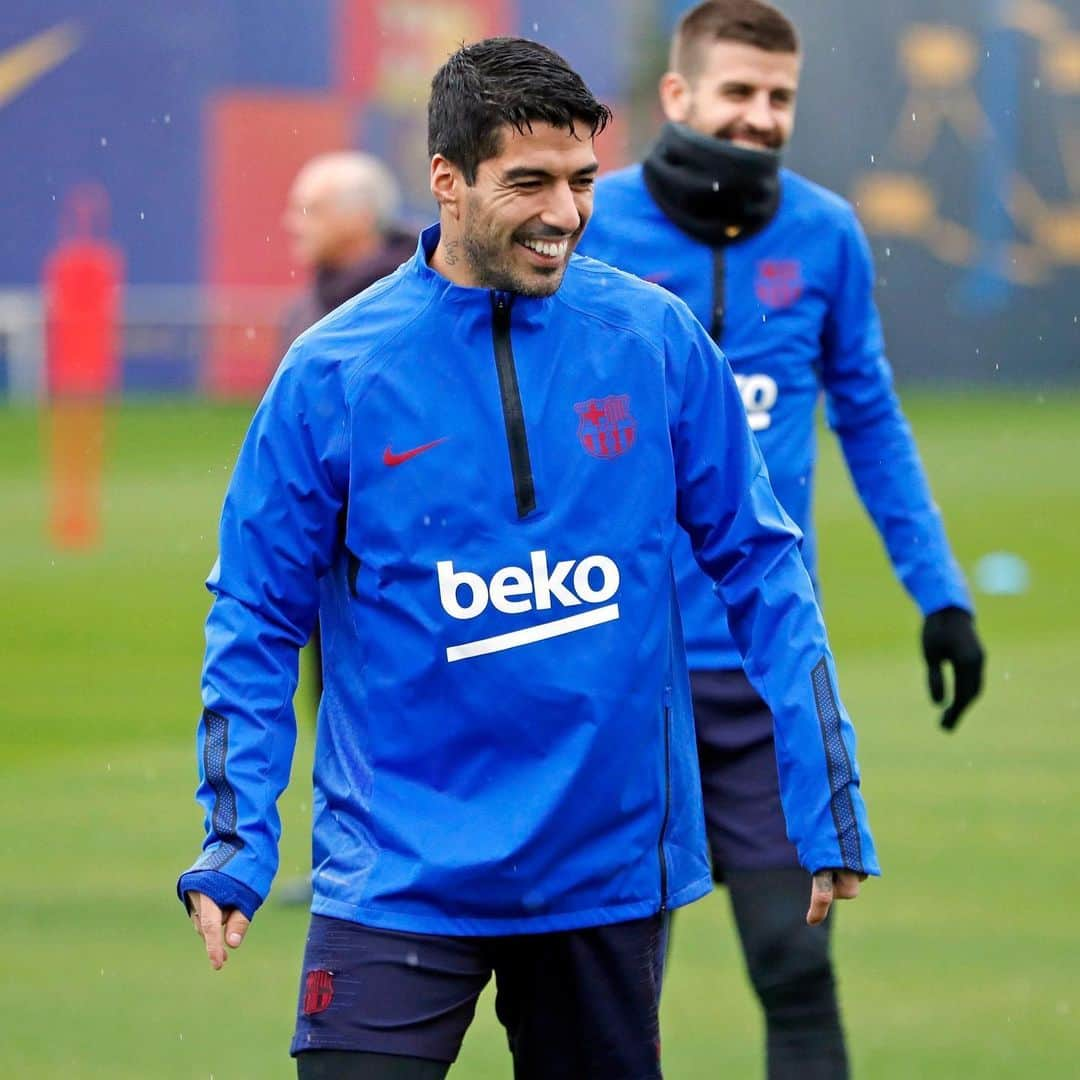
(580, 1003)
(743, 816)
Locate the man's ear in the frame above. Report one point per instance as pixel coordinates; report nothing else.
(675, 96)
(447, 184)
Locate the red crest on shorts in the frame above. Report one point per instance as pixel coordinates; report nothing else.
(318, 991)
(605, 427)
(779, 282)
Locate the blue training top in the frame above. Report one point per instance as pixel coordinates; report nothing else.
(478, 493)
(792, 307)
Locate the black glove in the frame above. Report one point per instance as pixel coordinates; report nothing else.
(949, 634)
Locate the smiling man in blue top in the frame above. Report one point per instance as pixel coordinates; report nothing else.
(778, 270)
(473, 474)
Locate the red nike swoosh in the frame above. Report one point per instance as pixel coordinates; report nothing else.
(390, 458)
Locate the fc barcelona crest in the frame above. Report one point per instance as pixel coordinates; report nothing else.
(606, 427)
(779, 282)
(318, 991)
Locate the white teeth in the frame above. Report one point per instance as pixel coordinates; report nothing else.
(551, 249)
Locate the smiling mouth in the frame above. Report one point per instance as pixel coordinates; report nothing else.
(548, 249)
(753, 141)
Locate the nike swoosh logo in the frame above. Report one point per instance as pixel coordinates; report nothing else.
(390, 458)
(26, 63)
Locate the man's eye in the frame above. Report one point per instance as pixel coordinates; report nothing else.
(528, 185)
(584, 183)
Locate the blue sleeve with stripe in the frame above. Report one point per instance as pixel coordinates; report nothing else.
(877, 442)
(279, 530)
(746, 542)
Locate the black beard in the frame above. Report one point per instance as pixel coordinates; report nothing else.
(492, 265)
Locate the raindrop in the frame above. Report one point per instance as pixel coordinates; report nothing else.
(872, 159)
(104, 141)
(249, 333)
(412, 958)
(913, 120)
(1037, 83)
(168, 118)
(716, 185)
(536, 27)
(142, 216)
(888, 253)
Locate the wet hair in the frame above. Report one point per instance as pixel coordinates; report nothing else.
(504, 81)
(749, 22)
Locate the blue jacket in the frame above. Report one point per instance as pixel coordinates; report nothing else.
(479, 494)
(795, 301)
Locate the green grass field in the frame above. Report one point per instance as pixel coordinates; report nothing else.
(963, 961)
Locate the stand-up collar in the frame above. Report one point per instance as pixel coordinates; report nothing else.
(526, 308)
(710, 188)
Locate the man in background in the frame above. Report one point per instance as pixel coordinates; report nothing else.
(778, 270)
(342, 218)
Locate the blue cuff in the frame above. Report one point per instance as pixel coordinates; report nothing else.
(225, 891)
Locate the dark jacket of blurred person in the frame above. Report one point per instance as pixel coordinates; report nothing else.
(341, 217)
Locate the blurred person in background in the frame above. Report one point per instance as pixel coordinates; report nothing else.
(343, 219)
(778, 270)
(474, 473)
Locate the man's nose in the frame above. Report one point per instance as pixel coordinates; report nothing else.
(759, 114)
(561, 211)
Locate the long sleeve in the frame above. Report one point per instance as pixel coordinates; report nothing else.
(279, 529)
(877, 442)
(744, 540)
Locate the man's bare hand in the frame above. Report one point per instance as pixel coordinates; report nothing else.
(216, 928)
(828, 885)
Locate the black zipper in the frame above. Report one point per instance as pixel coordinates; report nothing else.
(667, 808)
(513, 415)
(719, 310)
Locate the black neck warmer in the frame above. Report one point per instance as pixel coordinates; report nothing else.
(710, 188)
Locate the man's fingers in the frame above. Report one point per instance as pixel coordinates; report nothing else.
(828, 885)
(235, 928)
(821, 897)
(211, 927)
(846, 884)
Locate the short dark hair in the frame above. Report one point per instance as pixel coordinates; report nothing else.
(750, 22)
(500, 81)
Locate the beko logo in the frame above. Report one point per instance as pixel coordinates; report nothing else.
(515, 590)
